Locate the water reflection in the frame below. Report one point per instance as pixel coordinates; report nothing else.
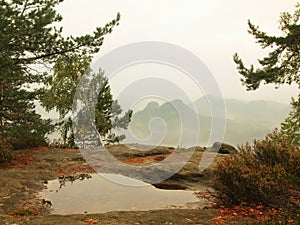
(98, 195)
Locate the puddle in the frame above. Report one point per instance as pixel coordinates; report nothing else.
(98, 195)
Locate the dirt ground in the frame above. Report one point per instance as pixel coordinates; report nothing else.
(26, 176)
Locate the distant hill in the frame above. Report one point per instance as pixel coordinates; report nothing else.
(165, 124)
(174, 119)
(176, 123)
(265, 111)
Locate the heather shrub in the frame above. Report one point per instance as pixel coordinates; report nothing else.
(277, 150)
(261, 173)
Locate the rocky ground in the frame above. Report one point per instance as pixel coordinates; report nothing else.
(26, 176)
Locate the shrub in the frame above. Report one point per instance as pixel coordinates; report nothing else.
(5, 150)
(29, 135)
(277, 150)
(261, 173)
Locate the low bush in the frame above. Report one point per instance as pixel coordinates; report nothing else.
(262, 173)
(29, 135)
(5, 150)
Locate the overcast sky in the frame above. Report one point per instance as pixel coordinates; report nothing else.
(213, 30)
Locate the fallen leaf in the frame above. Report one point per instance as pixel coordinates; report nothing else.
(91, 221)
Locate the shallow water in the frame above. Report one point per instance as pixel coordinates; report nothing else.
(99, 194)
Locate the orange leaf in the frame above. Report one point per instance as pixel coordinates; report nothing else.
(91, 221)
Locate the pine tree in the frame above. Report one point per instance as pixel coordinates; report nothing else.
(281, 66)
(108, 111)
(291, 126)
(29, 44)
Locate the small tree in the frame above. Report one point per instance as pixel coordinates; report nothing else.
(68, 72)
(107, 113)
(291, 126)
(281, 66)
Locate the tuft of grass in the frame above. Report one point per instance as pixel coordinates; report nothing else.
(24, 212)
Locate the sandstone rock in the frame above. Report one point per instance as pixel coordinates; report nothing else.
(224, 148)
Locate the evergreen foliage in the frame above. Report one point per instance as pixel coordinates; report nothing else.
(268, 171)
(281, 66)
(291, 126)
(108, 111)
(29, 44)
